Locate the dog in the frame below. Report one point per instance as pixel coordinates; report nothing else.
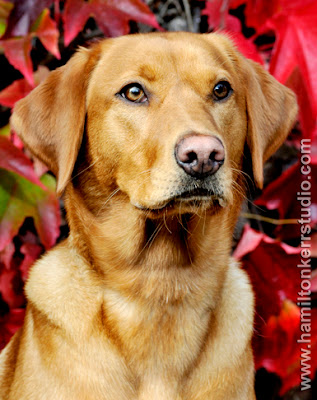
(148, 136)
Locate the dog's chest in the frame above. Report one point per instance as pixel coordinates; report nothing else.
(155, 336)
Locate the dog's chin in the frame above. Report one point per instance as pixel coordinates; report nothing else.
(185, 203)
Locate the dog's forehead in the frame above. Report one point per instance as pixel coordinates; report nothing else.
(158, 56)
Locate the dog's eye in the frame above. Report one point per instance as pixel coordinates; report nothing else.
(222, 90)
(134, 92)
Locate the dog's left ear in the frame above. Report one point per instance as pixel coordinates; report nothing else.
(51, 119)
(271, 111)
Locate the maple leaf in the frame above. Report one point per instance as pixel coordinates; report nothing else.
(31, 252)
(280, 333)
(10, 282)
(257, 12)
(6, 256)
(45, 29)
(296, 35)
(13, 159)
(245, 46)
(218, 16)
(111, 16)
(281, 195)
(48, 221)
(14, 270)
(268, 263)
(21, 87)
(9, 324)
(276, 279)
(278, 349)
(17, 49)
(16, 91)
(20, 198)
(11, 288)
(23, 15)
(295, 27)
(307, 115)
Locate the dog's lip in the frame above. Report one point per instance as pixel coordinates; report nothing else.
(197, 195)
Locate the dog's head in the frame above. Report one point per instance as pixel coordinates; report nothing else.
(166, 118)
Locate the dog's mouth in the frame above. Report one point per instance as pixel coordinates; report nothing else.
(195, 194)
(188, 200)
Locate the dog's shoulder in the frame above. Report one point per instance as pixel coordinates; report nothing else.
(239, 294)
(234, 314)
(238, 281)
(63, 287)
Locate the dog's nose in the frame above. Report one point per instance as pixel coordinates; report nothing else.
(200, 155)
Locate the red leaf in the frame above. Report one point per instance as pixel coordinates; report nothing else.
(268, 263)
(11, 288)
(257, 12)
(21, 87)
(11, 94)
(112, 16)
(113, 22)
(18, 49)
(294, 58)
(6, 255)
(279, 351)
(13, 273)
(45, 29)
(295, 45)
(13, 159)
(135, 10)
(10, 283)
(17, 52)
(17, 142)
(23, 15)
(47, 220)
(307, 116)
(219, 18)
(218, 15)
(280, 334)
(31, 253)
(245, 46)
(75, 15)
(275, 273)
(9, 324)
(57, 11)
(19, 198)
(281, 195)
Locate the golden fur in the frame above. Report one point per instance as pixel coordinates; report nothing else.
(143, 300)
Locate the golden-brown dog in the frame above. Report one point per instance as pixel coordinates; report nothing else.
(146, 135)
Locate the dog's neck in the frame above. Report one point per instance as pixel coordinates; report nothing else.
(172, 253)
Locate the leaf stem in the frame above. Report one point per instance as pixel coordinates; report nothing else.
(270, 220)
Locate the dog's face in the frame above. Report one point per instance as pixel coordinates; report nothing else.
(166, 118)
(170, 115)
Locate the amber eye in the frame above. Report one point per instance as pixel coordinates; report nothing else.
(134, 93)
(222, 90)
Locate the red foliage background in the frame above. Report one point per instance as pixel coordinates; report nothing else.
(282, 35)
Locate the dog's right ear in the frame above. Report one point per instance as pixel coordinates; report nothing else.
(51, 119)
(271, 109)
